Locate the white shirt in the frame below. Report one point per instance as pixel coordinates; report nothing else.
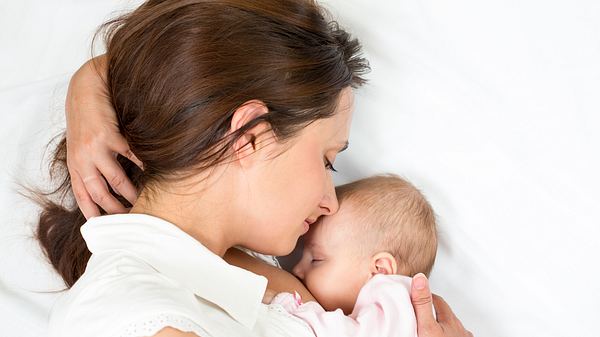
(145, 274)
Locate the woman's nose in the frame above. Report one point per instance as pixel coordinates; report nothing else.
(329, 204)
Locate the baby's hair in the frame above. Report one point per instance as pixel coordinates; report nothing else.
(397, 219)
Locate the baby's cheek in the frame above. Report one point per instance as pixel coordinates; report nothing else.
(314, 284)
(327, 294)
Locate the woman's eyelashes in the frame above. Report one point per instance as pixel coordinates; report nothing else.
(329, 165)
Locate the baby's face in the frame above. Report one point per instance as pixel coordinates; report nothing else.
(329, 266)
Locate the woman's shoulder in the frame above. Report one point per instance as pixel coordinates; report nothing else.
(118, 295)
(120, 279)
(122, 295)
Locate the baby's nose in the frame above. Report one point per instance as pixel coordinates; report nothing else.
(298, 271)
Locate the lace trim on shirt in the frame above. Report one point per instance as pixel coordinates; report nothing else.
(151, 326)
(276, 307)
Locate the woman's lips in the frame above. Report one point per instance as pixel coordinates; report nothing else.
(307, 224)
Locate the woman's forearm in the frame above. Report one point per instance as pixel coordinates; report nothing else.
(279, 279)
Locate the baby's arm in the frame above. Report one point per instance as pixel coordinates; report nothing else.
(279, 279)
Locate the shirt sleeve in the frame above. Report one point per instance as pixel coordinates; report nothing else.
(383, 309)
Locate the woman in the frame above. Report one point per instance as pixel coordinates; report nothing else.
(234, 112)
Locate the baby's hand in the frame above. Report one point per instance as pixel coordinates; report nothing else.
(268, 297)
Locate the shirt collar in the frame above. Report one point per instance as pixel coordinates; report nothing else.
(174, 253)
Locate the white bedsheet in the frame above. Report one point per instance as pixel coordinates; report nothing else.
(490, 107)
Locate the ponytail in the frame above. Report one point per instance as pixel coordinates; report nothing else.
(60, 220)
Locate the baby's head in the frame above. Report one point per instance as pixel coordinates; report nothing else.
(384, 226)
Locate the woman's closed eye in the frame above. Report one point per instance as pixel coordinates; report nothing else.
(329, 165)
(313, 261)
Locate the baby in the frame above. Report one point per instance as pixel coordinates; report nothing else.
(358, 262)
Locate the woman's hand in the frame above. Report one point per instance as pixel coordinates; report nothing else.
(93, 142)
(446, 325)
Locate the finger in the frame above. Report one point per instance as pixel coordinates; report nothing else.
(118, 180)
(442, 309)
(120, 146)
(98, 191)
(83, 199)
(420, 296)
(445, 315)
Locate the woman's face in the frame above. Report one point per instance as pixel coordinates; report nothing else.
(293, 187)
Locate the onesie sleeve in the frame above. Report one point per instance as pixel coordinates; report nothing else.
(383, 309)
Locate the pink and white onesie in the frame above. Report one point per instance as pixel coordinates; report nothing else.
(383, 309)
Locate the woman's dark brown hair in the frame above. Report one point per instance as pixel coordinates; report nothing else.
(177, 70)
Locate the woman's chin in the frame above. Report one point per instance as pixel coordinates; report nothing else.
(280, 249)
(284, 248)
(283, 251)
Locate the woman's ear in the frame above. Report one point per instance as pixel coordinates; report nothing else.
(383, 263)
(247, 143)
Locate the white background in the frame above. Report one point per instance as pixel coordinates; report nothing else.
(492, 108)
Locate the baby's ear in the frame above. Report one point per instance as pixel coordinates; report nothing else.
(383, 263)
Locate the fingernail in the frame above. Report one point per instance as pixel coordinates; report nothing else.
(420, 281)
